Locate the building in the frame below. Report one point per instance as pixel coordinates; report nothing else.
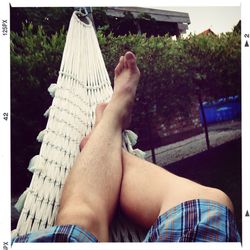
(147, 20)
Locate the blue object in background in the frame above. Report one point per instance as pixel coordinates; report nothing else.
(223, 109)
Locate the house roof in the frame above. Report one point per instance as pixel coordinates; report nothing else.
(180, 18)
(158, 15)
(207, 32)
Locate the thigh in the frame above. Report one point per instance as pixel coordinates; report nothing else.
(148, 191)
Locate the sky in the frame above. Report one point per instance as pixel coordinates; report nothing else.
(218, 18)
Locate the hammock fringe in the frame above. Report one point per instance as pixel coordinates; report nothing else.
(52, 89)
(131, 136)
(35, 163)
(19, 204)
(41, 135)
(47, 112)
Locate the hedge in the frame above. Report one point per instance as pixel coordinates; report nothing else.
(173, 73)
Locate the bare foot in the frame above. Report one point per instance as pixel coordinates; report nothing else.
(127, 76)
(126, 80)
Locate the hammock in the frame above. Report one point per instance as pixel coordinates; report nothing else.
(82, 83)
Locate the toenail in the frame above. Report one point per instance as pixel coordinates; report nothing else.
(129, 56)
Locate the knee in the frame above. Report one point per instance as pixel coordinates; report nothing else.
(222, 198)
(75, 215)
(86, 218)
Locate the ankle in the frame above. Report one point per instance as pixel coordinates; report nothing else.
(114, 113)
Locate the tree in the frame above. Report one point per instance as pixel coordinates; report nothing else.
(52, 19)
(237, 27)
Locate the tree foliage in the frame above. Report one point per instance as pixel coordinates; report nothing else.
(52, 19)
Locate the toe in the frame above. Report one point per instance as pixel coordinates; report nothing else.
(130, 60)
(117, 71)
(119, 66)
(121, 59)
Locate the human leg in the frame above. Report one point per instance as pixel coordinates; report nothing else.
(174, 208)
(148, 190)
(92, 187)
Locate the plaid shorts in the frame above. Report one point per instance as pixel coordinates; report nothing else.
(191, 221)
(195, 221)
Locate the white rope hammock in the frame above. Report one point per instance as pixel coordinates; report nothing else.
(83, 82)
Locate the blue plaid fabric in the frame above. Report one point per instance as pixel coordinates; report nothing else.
(195, 221)
(66, 233)
(191, 221)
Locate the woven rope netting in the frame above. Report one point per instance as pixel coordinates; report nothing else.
(83, 82)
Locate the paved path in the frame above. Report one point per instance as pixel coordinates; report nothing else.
(218, 134)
